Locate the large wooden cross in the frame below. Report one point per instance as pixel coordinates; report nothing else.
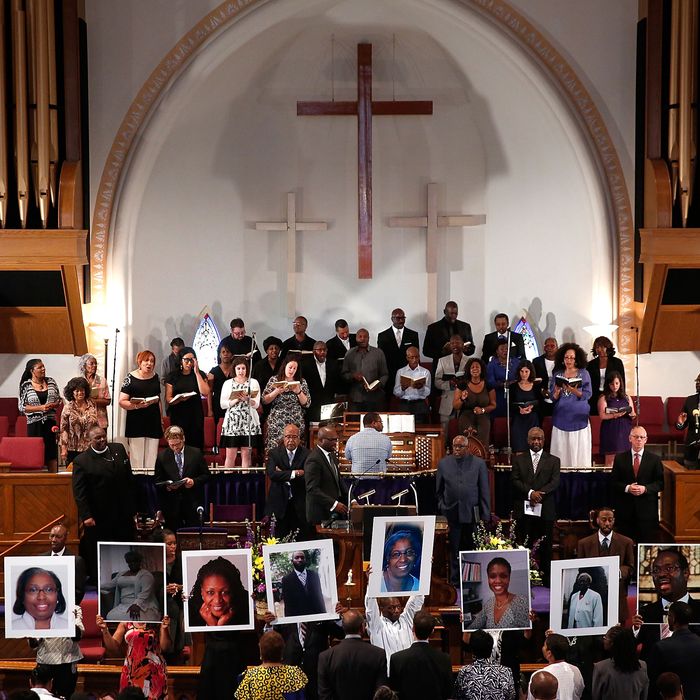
(291, 226)
(432, 222)
(364, 108)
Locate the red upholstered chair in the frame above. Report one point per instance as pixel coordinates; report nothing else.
(4, 426)
(21, 426)
(674, 406)
(652, 417)
(499, 433)
(9, 408)
(91, 640)
(595, 436)
(23, 453)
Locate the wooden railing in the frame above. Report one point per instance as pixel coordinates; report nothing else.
(47, 526)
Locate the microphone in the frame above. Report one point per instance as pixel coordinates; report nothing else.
(116, 330)
(696, 415)
(200, 513)
(398, 495)
(352, 483)
(367, 494)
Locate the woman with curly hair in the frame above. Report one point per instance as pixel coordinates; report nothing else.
(78, 418)
(475, 401)
(218, 597)
(99, 391)
(570, 389)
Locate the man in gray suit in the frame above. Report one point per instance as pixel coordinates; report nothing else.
(463, 497)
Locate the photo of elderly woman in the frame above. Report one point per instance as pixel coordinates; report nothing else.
(39, 595)
(495, 589)
(131, 581)
(402, 550)
(218, 583)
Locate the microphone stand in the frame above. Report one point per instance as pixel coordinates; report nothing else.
(200, 513)
(506, 392)
(636, 369)
(253, 346)
(114, 377)
(353, 480)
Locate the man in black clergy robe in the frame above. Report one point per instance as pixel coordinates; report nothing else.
(180, 463)
(301, 589)
(104, 495)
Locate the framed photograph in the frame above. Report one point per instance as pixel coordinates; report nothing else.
(584, 595)
(495, 589)
(401, 556)
(665, 571)
(300, 581)
(218, 584)
(131, 581)
(39, 597)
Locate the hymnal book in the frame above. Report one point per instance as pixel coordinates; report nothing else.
(622, 409)
(172, 484)
(450, 377)
(142, 399)
(525, 404)
(409, 383)
(301, 352)
(242, 393)
(95, 392)
(286, 385)
(184, 395)
(564, 381)
(370, 385)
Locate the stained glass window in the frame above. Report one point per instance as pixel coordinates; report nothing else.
(206, 341)
(524, 328)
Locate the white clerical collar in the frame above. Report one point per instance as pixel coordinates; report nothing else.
(99, 452)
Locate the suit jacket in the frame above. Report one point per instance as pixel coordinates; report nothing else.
(541, 370)
(395, 355)
(321, 394)
(279, 471)
(593, 367)
(546, 479)
(421, 672)
(488, 349)
(80, 572)
(300, 600)
(323, 487)
(651, 474)
(293, 344)
(103, 490)
(461, 487)
(181, 503)
(336, 349)
(438, 333)
(679, 653)
(620, 545)
(444, 366)
(351, 670)
(654, 612)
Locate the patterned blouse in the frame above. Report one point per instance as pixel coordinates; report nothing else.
(515, 616)
(484, 680)
(76, 424)
(29, 397)
(270, 682)
(100, 390)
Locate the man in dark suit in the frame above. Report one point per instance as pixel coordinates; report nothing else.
(535, 479)
(353, 669)
(690, 418)
(393, 342)
(104, 495)
(637, 480)
(326, 495)
(544, 369)
(437, 335)
(606, 543)
(323, 377)
(286, 499)
(341, 342)
(57, 538)
(186, 468)
(301, 589)
(679, 653)
(462, 489)
(517, 344)
(421, 671)
(299, 342)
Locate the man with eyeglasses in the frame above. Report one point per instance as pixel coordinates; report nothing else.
(462, 489)
(637, 480)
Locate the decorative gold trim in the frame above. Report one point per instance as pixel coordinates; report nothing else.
(504, 16)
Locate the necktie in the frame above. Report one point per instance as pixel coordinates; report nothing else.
(291, 457)
(303, 632)
(665, 629)
(535, 461)
(398, 337)
(605, 545)
(635, 464)
(501, 337)
(178, 460)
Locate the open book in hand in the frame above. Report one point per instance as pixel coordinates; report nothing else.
(184, 395)
(622, 409)
(560, 380)
(370, 385)
(409, 383)
(142, 399)
(169, 483)
(242, 394)
(95, 392)
(525, 404)
(286, 385)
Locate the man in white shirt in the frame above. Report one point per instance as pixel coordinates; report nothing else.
(555, 649)
(369, 449)
(41, 682)
(412, 387)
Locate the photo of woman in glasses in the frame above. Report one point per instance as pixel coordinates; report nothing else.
(39, 603)
(402, 559)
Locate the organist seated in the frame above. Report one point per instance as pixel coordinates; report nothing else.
(369, 450)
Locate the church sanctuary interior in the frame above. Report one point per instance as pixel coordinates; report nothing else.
(407, 170)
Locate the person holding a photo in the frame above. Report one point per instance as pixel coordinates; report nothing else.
(505, 610)
(218, 597)
(134, 596)
(39, 602)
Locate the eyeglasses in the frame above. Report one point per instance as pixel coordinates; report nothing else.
(188, 359)
(398, 553)
(668, 569)
(639, 437)
(35, 590)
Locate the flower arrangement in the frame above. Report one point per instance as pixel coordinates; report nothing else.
(498, 539)
(255, 537)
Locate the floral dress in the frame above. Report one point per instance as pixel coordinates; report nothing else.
(285, 409)
(241, 419)
(144, 665)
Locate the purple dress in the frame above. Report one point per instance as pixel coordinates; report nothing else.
(614, 433)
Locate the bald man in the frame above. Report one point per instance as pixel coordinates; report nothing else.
(544, 686)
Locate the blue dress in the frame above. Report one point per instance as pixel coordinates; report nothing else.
(614, 433)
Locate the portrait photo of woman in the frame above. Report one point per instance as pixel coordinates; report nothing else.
(217, 598)
(401, 561)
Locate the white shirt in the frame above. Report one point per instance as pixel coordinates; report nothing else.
(59, 554)
(392, 636)
(412, 394)
(570, 681)
(321, 367)
(601, 537)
